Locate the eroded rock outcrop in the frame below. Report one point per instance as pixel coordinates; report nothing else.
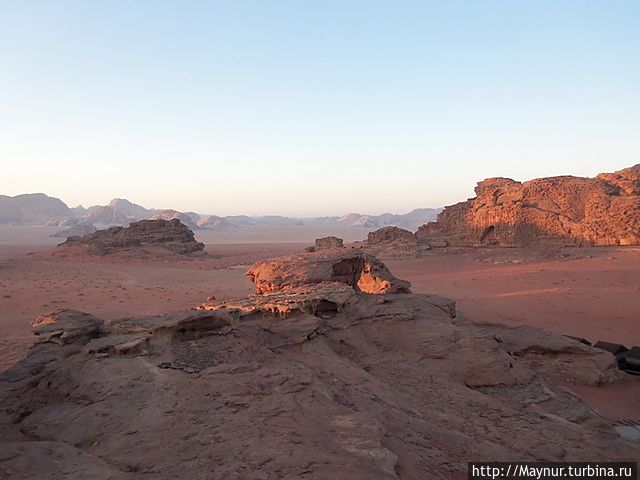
(359, 270)
(391, 236)
(310, 379)
(604, 210)
(171, 235)
(325, 298)
(329, 242)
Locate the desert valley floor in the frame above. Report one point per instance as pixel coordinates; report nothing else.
(587, 292)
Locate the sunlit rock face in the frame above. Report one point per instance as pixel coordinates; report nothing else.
(359, 270)
(572, 211)
(171, 235)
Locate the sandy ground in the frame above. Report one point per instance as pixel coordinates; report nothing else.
(591, 293)
(32, 284)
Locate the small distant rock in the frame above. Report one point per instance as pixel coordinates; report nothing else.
(328, 242)
(391, 235)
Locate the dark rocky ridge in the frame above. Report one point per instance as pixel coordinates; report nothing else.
(168, 234)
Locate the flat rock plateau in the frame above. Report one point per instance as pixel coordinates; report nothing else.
(331, 369)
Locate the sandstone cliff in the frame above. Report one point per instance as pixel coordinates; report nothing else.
(575, 211)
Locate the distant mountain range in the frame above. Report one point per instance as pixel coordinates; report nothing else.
(40, 209)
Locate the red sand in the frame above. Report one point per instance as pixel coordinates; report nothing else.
(595, 298)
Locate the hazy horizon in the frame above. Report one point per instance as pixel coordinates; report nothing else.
(250, 214)
(311, 109)
(153, 207)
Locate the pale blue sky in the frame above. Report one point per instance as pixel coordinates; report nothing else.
(311, 107)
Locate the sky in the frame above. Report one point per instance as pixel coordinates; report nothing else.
(311, 107)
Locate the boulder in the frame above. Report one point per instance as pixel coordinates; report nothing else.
(554, 211)
(361, 271)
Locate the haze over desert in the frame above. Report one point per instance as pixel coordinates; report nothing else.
(313, 240)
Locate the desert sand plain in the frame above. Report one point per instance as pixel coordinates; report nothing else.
(587, 292)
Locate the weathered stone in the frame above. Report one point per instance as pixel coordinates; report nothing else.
(390, 236)
(185, 322)
(169, 234)
(118, 344)
(547, 211)
(359, 270)
(320, 299)
(329, 242)
(66, 326)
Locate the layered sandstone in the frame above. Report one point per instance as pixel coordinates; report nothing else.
(171, 235)
(575, 211)
(307, 380)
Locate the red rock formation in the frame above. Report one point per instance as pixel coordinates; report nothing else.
(169, 234)
(604, 210)
(359, 270)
